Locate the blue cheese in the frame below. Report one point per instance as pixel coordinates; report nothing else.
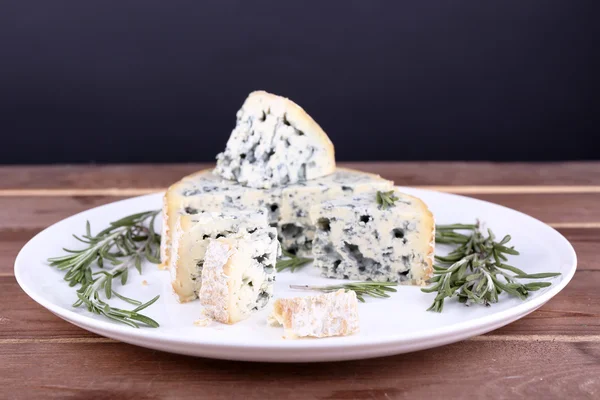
(191, 237)
(287, 208)
(275, 143)
(238, 275)
(295, 228)
(356, 239)
(204, 191)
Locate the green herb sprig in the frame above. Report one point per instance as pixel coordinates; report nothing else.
(386, 199)
(476, 270)
(372, 289)
(125, 243)
(292, 262)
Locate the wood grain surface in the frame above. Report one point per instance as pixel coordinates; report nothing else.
(61, 177)
(552, 353)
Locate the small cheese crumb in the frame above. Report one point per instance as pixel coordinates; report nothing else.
(144, 283)
(203, 322)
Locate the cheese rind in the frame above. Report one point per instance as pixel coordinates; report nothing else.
(329, 314)
(190, 240)
(238, 275)
(275, 143)
(295, 228)
(357, 239)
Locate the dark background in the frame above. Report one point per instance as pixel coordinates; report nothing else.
(161, 81)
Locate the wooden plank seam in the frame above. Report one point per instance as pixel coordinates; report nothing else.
(472, 189)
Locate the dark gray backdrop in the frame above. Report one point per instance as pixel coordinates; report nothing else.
(160, 81)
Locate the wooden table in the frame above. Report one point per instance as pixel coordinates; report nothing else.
(552, 353)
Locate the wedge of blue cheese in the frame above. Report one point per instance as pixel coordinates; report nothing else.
(275, 143)
(357, 239)
(323, 315)
(204, 191)
(191, 237)
(295, 228)
(238, 275)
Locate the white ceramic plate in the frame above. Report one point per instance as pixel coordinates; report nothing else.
(388, 326)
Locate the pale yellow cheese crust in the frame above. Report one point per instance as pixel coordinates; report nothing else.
(181, 282)
(427, 225)
(170, 210)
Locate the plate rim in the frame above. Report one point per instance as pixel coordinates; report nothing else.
(457, 332)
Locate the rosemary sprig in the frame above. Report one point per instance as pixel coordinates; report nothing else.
(125, 243)
(373, 289)
(385, 199)
(475, 271)
(293, 262)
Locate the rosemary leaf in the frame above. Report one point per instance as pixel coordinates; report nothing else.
(538, 276)
(124, 244)
(145, 305)
(108, 286)
(124, 276)
(127, 299)
(148, 321)
(292, 263)
(385, 199)
(453, 227)
(475, 271)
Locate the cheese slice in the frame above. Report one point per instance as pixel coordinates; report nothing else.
(358, 239)
(329, 314)
(190, 240)
(275, 143)
(204, 191)
(295, 228)
(287, 208)
(238, 275)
